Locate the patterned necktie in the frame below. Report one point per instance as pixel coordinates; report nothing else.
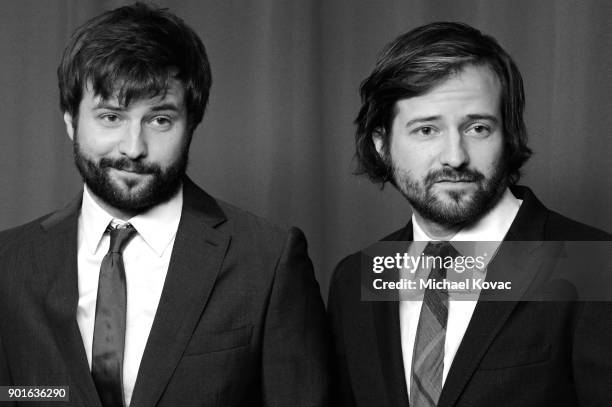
(109, 328)
(428, 355)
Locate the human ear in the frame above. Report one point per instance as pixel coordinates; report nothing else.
(378, 138)
(68, 120)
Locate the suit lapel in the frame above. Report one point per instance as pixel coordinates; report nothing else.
(489, 317)
(196, 259)
(388, 338)
(57, 259)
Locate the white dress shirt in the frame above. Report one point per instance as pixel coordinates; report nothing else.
(490, 228)
(145, 257)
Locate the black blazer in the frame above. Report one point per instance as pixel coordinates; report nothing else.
(240, 321)
(513, 353)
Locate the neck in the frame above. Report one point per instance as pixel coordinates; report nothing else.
(436, 231)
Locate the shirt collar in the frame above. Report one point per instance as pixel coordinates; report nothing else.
(94, 219)
(157, 226)
(491, 227)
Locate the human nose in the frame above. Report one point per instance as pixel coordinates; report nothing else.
(133, 144)
(454, 153)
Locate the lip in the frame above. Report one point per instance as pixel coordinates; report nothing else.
(124, 171)
(448, 184)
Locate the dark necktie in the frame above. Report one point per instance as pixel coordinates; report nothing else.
(428, 355)
(109, 328)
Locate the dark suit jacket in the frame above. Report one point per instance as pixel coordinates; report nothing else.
(513, 353)
(240, 321)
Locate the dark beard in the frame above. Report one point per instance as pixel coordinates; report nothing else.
(163, 185)
(461, 210)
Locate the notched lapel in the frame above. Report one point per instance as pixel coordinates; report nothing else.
(196, 259)
(56, 261)
(490, 316)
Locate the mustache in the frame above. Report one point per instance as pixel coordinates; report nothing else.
(126, 164)
(449, 174)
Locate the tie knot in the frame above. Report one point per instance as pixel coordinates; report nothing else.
(441, 249)
(119, 237)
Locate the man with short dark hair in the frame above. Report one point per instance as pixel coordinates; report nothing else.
(145, 290)
(442, 120)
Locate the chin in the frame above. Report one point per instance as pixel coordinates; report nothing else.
(131, 182)
(456, 198)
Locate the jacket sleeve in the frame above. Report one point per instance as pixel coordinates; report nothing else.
(296, 340)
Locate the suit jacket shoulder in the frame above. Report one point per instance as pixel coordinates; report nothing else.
(30, 231)
(536, 222)
(559, 227)
(22, 233)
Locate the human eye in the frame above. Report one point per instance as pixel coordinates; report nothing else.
(478, 130)
(161, 122)
(425, 131)
(109, 119)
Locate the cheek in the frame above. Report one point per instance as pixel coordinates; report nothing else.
(94, 143)
(166, 150)
(418, 160)
(487, 156)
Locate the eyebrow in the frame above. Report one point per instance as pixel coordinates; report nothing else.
(479, 116)
(488, 117)
(422, 119)
(103, 104)
(118, 108)
(164, 106)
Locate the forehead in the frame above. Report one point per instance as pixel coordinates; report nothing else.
(472, 90)
(174, 94)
